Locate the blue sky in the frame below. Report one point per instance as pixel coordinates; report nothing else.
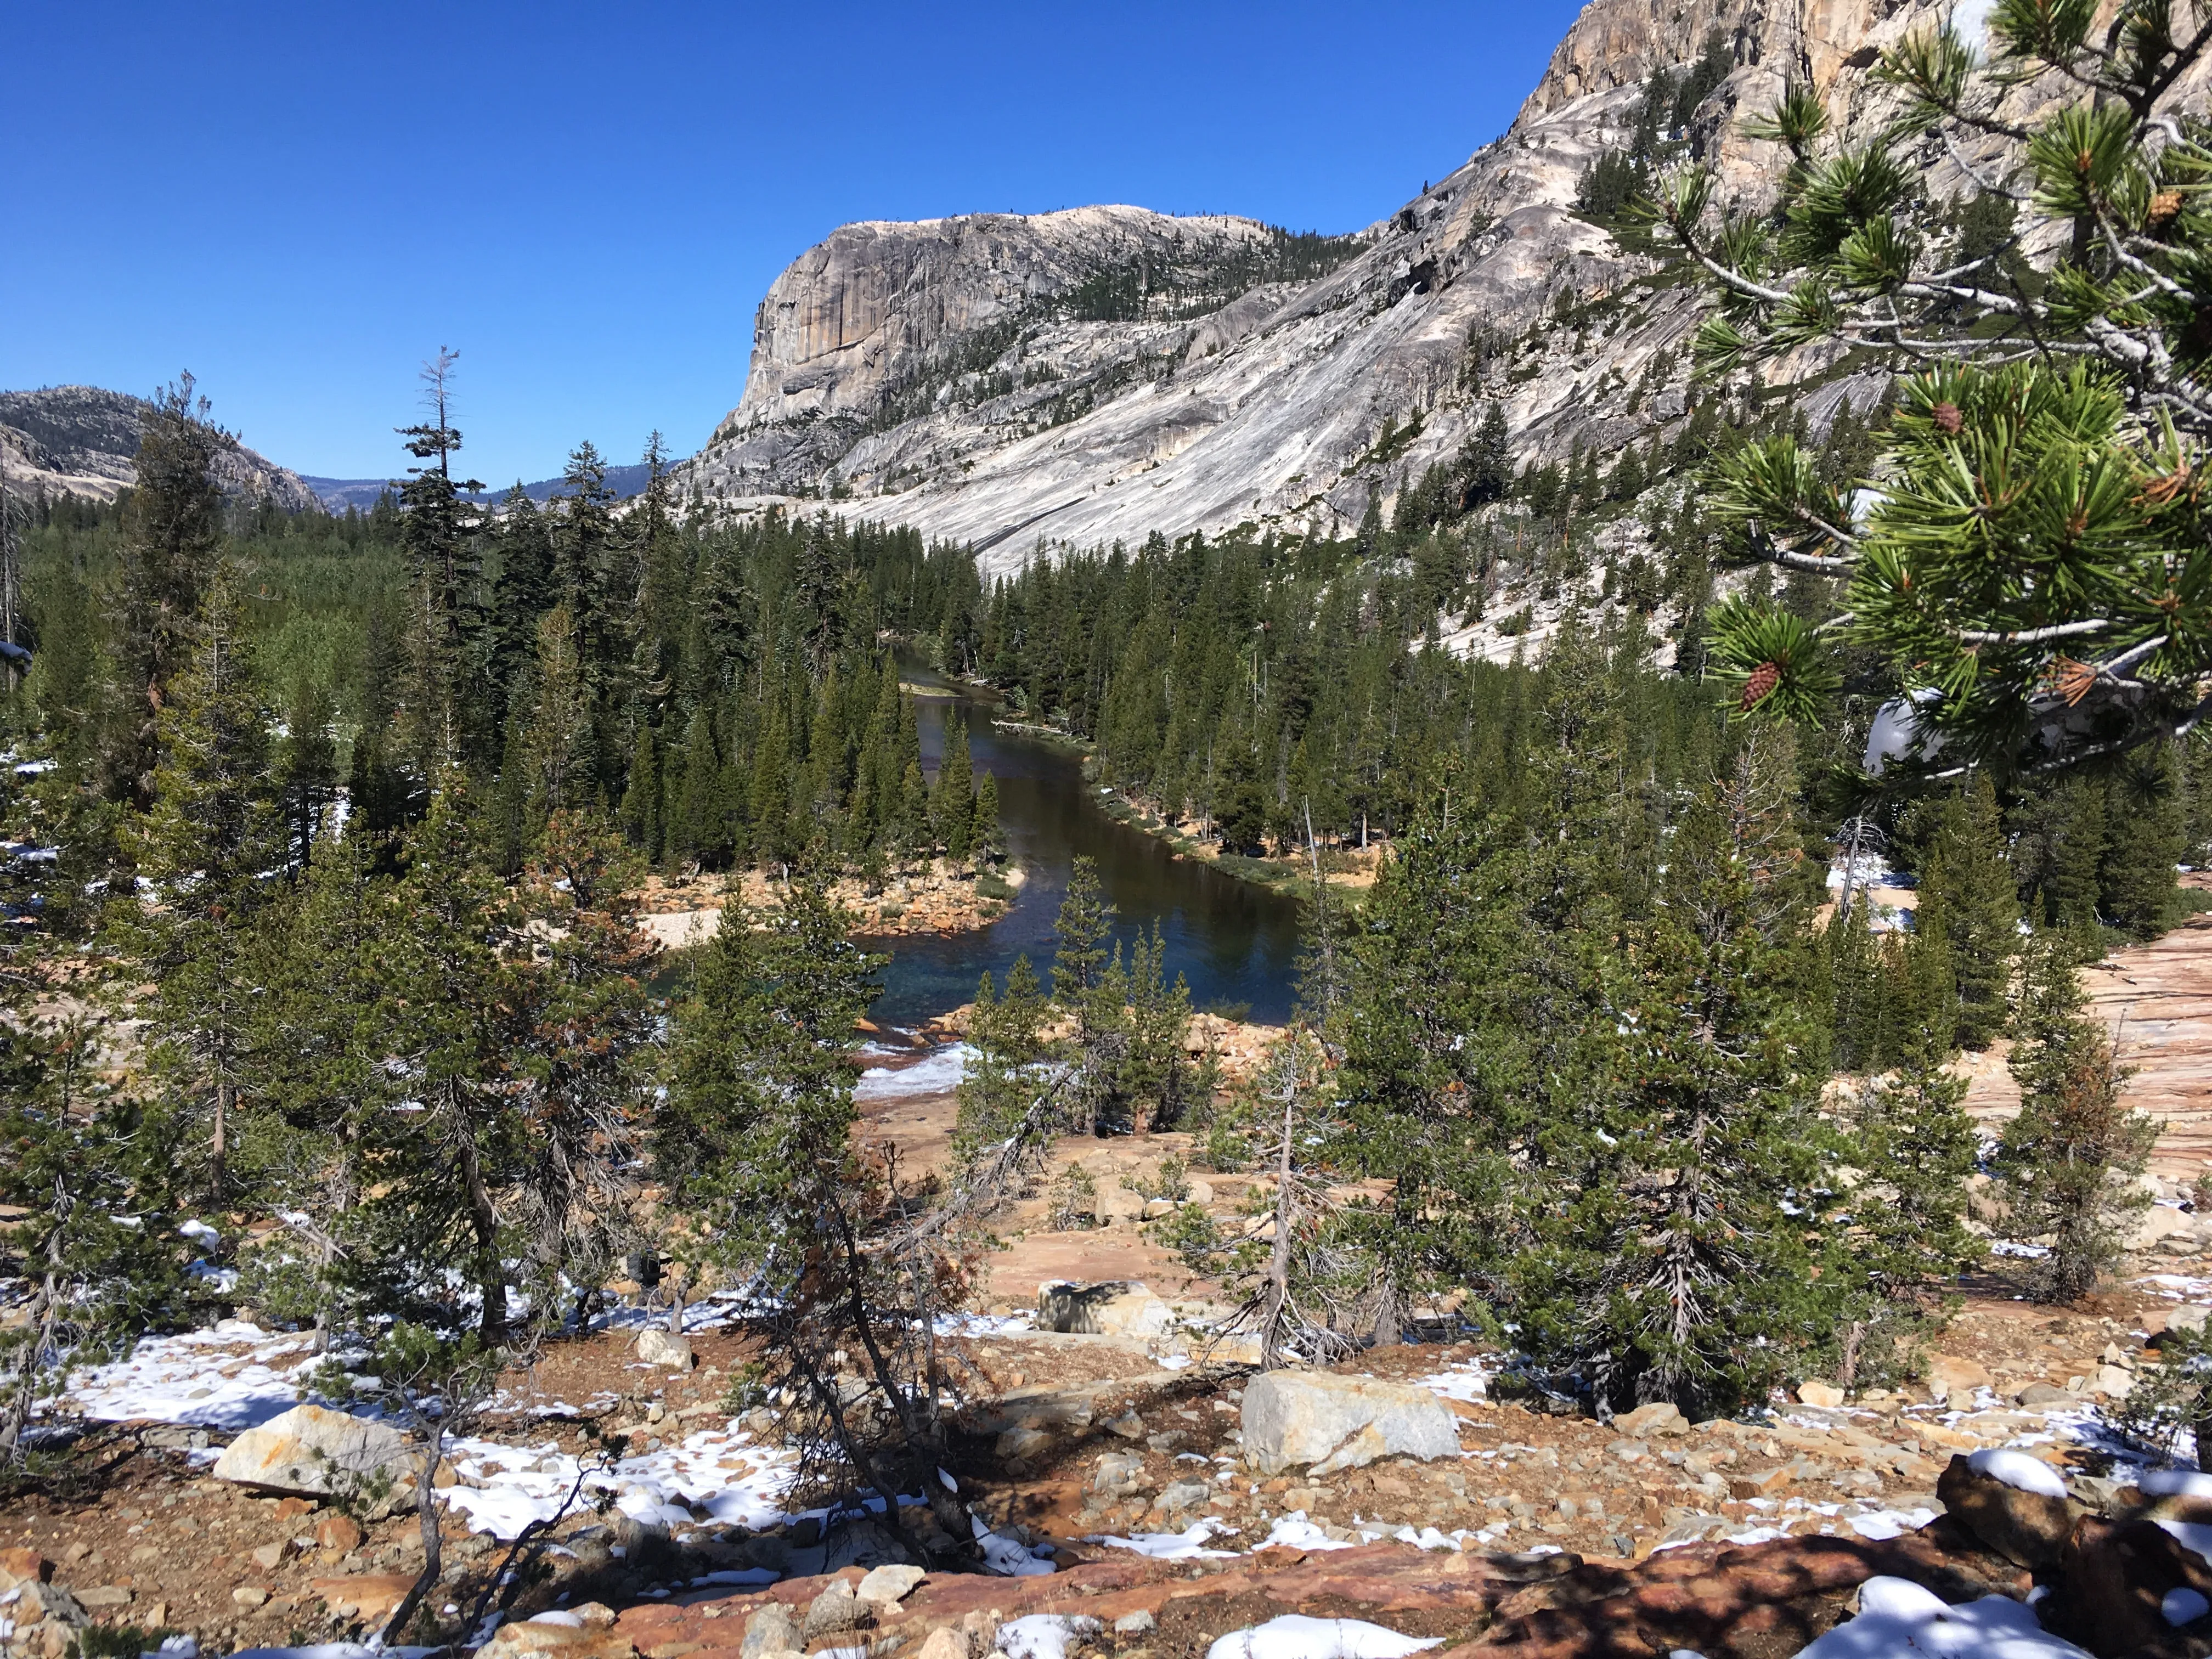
(300, 203)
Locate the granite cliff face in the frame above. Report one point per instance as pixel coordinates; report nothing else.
(949, 374)
(83, 441)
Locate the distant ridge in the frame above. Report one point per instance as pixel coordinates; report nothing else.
(339, 494)
(83, 440)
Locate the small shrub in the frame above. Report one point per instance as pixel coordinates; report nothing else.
(1072, 1202)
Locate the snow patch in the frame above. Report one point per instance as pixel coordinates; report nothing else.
(2175, 1483)
(2018, 1470)
(1188, 1545)
(1044, 1634)
(1294, 1532)
(1296, 1636)
(1898, 1619)
(1467, 1381)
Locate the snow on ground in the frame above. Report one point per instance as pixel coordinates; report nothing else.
(1186, 1546)
(717, 1475)
(233, 1376)
(1898, 1619)
(1469, 1381)
(1296, 1636)
(1044, 1634)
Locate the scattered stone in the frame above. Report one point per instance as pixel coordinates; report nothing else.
(1815, 1392)
(1949, 1374)
(2028, 1528)
(2042, 1394)
(834, 1612)
(946, 1642)
(1114, 1307)
(657, 1347)
(369, 1597)
(1331, 1422)
(310, 1449)
(1660, 1417)
(1135, 1623)
(104, 1595)
(338, 1533)
(1184, 1495)
(19, 1566)
(249, 1596)
(566, 1636)
(890, 1583)
(2114, 1577)
(770, 1630)
(269, 1557)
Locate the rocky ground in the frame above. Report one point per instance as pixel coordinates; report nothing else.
(931, 898)
(1133, 1462)
(1114, 1443)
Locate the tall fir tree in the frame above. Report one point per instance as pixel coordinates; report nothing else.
(171, 527)
(2069, 1160)
(209, 849)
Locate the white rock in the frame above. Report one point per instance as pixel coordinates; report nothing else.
(1813, 1392)
(312, 1450)
(657, 1347)
(890, 1583)
(1332, 1422)
(1112, 1308)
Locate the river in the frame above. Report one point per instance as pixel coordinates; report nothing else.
(1235, 944)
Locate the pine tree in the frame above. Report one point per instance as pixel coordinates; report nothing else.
(758, 1142)
(1698, 1289)
(955, 802)
(2146, 837)
(207, 848)
(584, 1057)
(643, 810)
(557, 741)
(438, 727)
(2069, 1160)
(1907, 1237)
(91, 1242)
(986, 837)
(443, 1165)
(1007, 1072)
(170, 526)
(1966, 877)
(1486, 463)
(324, 1025)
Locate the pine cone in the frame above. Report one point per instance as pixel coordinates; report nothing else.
(1946, 418)
(2165, 209)
(2072, 680)
(1764, 679)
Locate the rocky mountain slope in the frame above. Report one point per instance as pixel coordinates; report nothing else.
(82, 440)
(950, 375)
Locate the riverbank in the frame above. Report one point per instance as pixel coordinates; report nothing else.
(933, 898)
(1349, 871)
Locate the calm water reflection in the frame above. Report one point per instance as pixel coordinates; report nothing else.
(1234, 942)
